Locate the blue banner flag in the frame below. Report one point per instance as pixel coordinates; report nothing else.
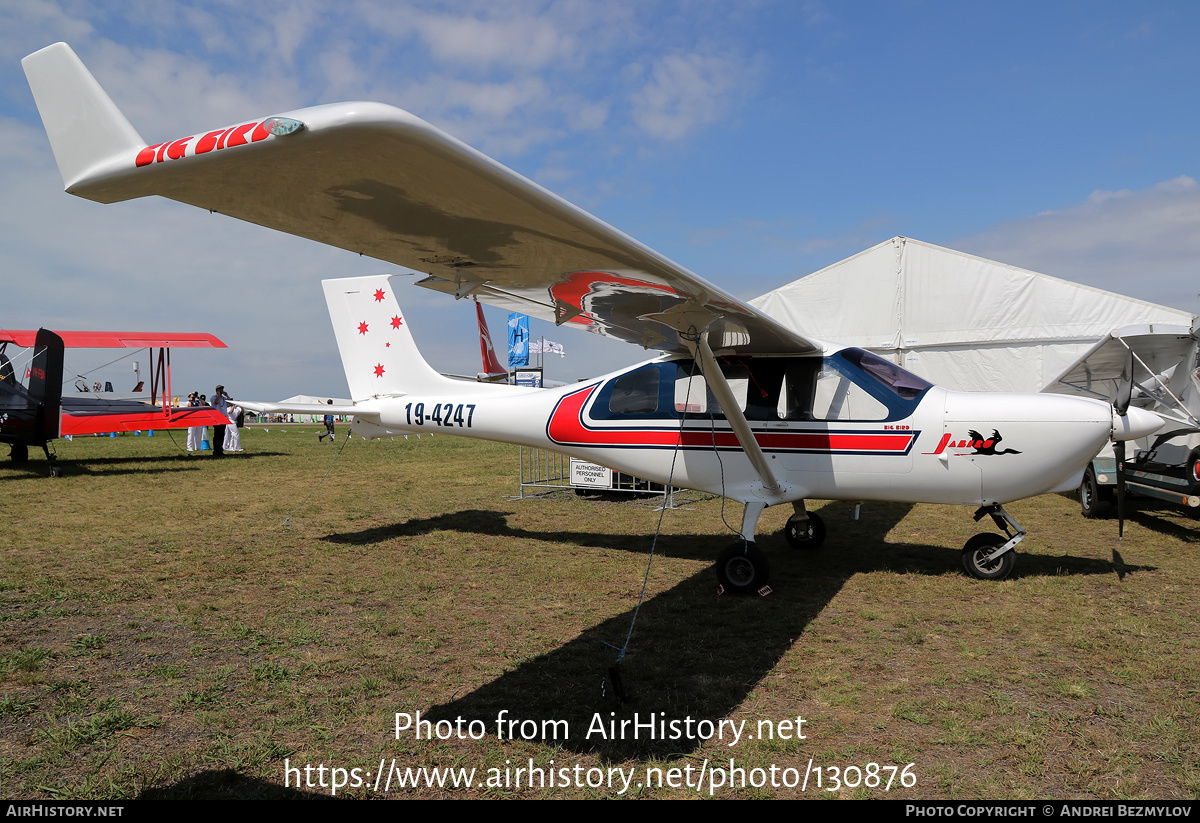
(518, 340)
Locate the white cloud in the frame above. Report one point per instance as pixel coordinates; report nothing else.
(524, 41)
(1144, 243)
(685, 92)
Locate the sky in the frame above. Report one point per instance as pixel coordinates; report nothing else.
(751, 142)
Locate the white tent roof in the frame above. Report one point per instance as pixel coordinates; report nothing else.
(927, 307)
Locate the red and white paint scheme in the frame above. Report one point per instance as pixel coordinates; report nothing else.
(737, 404)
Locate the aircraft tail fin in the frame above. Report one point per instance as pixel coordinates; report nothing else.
(86, 129)
(378, 351)
(45, 384)
(491, 364)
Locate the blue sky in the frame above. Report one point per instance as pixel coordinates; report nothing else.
(752, 142)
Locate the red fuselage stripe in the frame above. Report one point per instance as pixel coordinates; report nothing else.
(566, 427)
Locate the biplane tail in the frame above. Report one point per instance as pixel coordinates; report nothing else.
(33, 415)
(45, 383)
(86, 129)
(378, 351)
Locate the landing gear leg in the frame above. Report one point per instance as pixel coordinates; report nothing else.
(55, 469)
(742, 567)
(992, 556)
(750, 516)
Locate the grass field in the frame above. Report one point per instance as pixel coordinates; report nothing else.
(163, 633)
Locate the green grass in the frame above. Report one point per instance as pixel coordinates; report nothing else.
(196, 642)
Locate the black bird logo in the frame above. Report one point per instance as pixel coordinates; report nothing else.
(988, 445)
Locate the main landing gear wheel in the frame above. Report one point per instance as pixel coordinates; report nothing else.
(19, 452)
(976, 551)
(1094, 500)
(742, 568)
(805, 534)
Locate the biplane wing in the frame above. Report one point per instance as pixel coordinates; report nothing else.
(381, 182)
(118, 339)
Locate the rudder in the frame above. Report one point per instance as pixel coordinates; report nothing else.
(45, 384)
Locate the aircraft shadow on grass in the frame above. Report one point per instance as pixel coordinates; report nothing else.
(108, 466)
(692, 654)
(853, 546)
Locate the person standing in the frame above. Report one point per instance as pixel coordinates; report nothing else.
(220, 402)
(195, 433)
(233, 434)
(328, 426)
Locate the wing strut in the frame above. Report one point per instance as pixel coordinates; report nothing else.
(741, 427)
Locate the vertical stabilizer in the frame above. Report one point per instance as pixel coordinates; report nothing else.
(378, 351)
(491, 364)
(86, 129)
(45, 384)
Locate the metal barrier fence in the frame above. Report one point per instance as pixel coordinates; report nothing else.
(551, 471)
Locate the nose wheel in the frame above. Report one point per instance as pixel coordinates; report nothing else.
(993, 556)
(981, 561)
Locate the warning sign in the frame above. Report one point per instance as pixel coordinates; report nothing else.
(589, 475)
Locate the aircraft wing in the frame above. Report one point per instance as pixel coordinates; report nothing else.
(118, 339)
(318, 409)
(381, 182)
(1157, 350)
(82, 416)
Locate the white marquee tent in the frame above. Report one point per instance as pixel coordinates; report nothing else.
(927, 307)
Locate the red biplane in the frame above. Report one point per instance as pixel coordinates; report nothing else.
(39, 413)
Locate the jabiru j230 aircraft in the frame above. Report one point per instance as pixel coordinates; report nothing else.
(737, 404)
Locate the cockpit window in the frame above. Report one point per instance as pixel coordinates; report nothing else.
(837, 397)
(898, 381)
(847, 386)
(636, 392)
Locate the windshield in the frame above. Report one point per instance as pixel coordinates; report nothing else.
(900, 382)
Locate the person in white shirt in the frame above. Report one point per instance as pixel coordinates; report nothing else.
(233, 434)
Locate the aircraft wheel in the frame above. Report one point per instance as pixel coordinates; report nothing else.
(19, 453)
(56, 471)
(979, 547)
(1094, 499)
(1193, 466)
(805, 535)
(742, 568)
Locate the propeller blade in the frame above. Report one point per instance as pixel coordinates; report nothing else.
(1125, 389)
(1119, 452)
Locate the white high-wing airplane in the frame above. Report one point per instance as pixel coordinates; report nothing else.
(737, 405)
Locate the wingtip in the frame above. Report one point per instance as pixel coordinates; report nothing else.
(85, 128)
